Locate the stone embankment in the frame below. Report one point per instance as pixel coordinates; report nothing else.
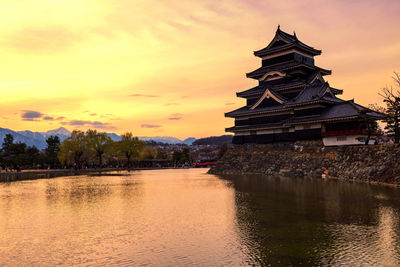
(374, 163)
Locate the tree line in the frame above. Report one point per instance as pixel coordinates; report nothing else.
(82, 149)
(17, 155)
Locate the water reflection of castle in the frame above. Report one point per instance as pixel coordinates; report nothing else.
(292, 100)
(302, 222)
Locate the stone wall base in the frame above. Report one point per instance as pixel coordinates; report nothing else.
(373, 163)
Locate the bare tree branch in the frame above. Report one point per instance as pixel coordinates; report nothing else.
(396, 78)
(392, 99)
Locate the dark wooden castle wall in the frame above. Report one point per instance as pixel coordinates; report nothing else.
(308, 134)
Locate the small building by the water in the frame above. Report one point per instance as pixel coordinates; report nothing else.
(293, 101)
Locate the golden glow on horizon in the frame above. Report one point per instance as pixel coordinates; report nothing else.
(173, 68)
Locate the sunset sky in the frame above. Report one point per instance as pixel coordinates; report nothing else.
(158, 67)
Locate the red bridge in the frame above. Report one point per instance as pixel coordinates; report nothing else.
(203, 164)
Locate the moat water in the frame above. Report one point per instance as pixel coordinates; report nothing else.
(187, 217)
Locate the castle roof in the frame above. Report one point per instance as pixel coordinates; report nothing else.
(301, 84)
(341, 111)
(292, 64)
(285, 41)
(259, 89)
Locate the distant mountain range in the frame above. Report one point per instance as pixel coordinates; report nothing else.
(168, 140)
(38, 139)
(214, 140)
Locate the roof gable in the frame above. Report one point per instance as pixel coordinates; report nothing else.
(317, 78)
(317, 92)
(277, 43)
(283, 40)
(269, 94)
(279, 40)
(272, 75)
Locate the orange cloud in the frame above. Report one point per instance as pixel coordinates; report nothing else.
(146, 125)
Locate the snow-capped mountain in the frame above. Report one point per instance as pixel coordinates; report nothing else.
(168, 140)
(161, 139)
(21, 137)
(114, 136)
(38, 139)
(61, 132)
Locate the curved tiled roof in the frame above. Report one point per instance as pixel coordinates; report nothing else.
(290, 41)
(285, 66)
(346, 110)
(309, 95)
(259, 89)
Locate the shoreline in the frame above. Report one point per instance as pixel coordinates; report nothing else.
(362, 181)
(365, 164)
(48, 174)
(327, 178)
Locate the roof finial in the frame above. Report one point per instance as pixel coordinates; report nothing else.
(279, 28)
(294, 34)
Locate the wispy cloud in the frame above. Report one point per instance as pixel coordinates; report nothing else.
(229, 103)
(94, 124)
(143, 95)
(175, 117)
(150, 126)
(52, 118)
(30, 115)
(171, 104)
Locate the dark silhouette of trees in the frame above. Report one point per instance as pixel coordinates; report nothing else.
(51, 151)
(53, 146)
(391, 98)
(17, 155)
(148, 153)
(7, 142)
(181, 156)
(32, 154)
(371, 124)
